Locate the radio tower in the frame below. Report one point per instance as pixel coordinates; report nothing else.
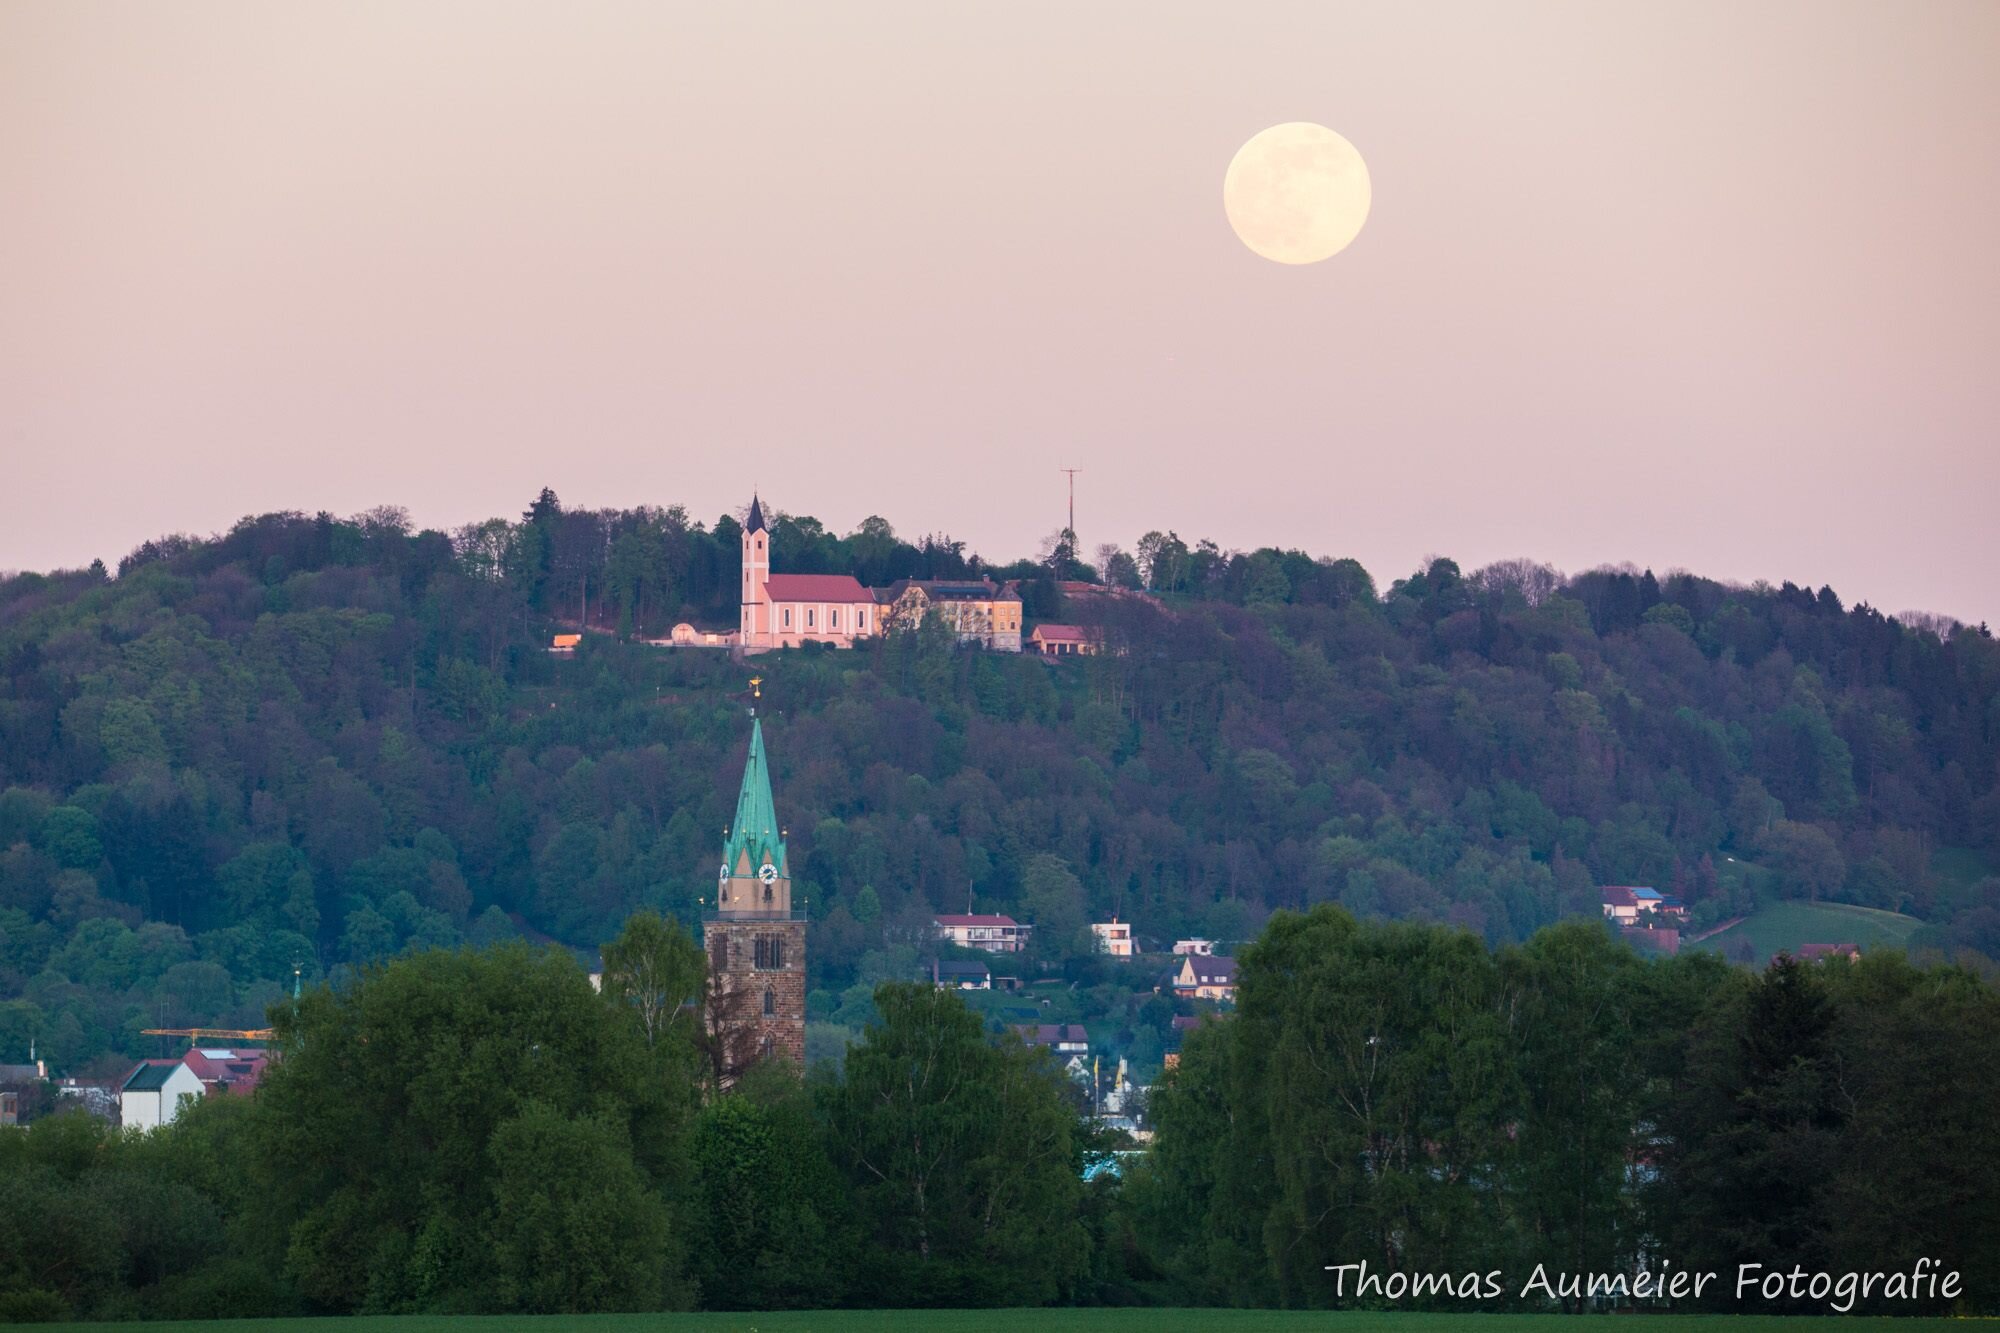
(1072, 471)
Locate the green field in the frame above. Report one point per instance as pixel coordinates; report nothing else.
(1785, 926)
(1054, 1321)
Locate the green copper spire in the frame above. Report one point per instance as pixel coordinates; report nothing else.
(755, 830)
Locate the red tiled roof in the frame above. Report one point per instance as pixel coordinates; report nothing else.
(235, 1070)
(815, 588)
(1061, 633)
(963, 920)
(1809, 951)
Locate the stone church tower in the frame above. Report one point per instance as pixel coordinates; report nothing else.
(756, 942)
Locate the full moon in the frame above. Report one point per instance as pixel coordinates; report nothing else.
(1296, 193)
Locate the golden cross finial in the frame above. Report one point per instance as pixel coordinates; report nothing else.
(755, 681)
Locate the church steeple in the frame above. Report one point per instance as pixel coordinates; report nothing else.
(755, 879)
(755, 837)
(756, 1003)
(755, 523)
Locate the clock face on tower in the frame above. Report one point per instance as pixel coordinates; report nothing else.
(725, 870)
(769, 874)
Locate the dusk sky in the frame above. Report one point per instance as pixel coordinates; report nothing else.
(1711, 286)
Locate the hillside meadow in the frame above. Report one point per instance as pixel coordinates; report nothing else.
(1785, 926)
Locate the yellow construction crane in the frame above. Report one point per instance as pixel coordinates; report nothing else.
(213, 1034)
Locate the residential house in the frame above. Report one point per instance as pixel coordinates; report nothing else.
(1620, 903)
(1114, 937)
(979, 611)
(1063, 641)
(97, 1097)
(993, 934)
(1812, 953)
(154, 1093)
(1205, 977)
(961, 976)
(13, 1079)
(1203, 948)
(1065, 1039)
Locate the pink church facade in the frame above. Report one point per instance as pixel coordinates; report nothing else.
(787, 610)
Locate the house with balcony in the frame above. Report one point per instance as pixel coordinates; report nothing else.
(988, 932)
(1114, 937)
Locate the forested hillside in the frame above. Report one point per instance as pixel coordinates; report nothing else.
(317, 741)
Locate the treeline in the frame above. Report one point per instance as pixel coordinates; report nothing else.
(1394, 1093)
(468, 1132)
(311, 742)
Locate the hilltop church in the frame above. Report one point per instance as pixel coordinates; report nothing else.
(787, 610)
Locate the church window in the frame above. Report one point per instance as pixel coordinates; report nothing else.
(765, 1047)
(833, 618)
(718, 952)
(769, 953)
(788, 617)
(809, 618)
(770, 1003)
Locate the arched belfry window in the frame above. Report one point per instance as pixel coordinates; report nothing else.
(765, 1047)
(770, 1002)
(767, 893)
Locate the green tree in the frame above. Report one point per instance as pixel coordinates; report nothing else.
(380, 1123)
(1052, 898)
(576, 1227)
(656, 967)
(775, 1227)
(961, 1159)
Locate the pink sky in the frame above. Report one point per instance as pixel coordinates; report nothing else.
(1690, 285)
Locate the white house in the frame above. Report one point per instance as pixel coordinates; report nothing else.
(156, 1091)
(1200, 948)
(976, 930)
(1114, 937)
(1205, 977)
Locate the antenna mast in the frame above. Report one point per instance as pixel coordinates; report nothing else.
(1072, 471)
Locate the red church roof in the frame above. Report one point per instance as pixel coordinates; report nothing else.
(815, 588)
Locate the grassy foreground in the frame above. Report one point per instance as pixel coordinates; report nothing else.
(1056, 1321)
